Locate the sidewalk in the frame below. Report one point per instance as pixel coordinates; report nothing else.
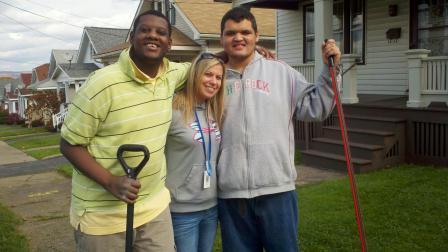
(10, 155)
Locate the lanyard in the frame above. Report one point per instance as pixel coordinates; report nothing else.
(207, 156)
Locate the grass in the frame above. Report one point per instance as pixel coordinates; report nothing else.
(42, 153)
(10, 238)
(25, 144)
(404, 208)
(65, 169)
(8, 131)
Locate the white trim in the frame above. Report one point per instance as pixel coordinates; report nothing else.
(196, 34)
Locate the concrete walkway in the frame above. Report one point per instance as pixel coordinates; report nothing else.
(10, 155)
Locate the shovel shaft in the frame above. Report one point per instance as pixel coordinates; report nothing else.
(129, 227)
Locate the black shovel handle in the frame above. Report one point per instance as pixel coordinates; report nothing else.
(131, 172)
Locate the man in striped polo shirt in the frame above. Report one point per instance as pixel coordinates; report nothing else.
(125, 103)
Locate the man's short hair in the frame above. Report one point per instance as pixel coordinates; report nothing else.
(238, 14)
(154, 13)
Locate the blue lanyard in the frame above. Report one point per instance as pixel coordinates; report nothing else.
(208, 165)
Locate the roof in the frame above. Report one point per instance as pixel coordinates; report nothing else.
(205, 15)
(25, 78)
(103, 38)
(64, 56)
(25, 91)
(45, 84)
(78, 70)
(178, 38)
(41, 72)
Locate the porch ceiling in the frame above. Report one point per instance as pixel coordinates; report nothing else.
(275, 4)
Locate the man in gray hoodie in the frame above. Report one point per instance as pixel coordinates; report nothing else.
(256, 172)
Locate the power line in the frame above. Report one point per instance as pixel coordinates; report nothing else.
(71, 14)
(39, 15)
(63, 22)
(31, 28)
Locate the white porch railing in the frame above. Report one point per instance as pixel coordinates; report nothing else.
(58, 118)
(307, 70)
(428, 78)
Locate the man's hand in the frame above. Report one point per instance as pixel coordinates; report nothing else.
(124, 188)
(265, 52)
(329, 48)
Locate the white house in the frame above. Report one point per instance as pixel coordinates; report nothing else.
(395, 66)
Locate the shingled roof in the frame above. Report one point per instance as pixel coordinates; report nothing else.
(205, 15)
(103, 38)
(78, 70)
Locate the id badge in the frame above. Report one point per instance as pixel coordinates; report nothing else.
(206, 180)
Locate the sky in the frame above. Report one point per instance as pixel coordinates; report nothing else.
(30, 29)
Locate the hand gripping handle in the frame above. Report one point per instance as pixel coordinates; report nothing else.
(132, 172)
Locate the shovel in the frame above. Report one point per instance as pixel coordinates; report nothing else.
(132, 173)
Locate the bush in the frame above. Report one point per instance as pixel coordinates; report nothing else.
(14, 119)
(3, 116)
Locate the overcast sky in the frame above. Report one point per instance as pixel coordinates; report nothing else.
(26, 39)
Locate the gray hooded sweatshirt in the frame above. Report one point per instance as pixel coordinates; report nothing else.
(186, 163)
(257, 147)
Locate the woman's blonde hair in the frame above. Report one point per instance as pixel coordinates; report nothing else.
(186, 100)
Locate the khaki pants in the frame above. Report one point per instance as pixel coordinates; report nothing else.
(156, 235)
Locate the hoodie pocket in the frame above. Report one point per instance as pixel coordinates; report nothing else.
(270, 166)
(192, 189)
(232, 172)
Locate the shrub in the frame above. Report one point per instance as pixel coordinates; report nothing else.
(14, 118)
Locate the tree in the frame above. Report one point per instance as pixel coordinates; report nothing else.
(42, 105)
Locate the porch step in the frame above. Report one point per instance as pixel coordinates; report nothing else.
(334, 161)
(359, 150)
(373, 122)
(376, 137)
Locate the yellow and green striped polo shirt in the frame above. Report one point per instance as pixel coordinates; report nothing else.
(121, 105)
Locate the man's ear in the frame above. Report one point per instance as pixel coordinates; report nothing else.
(256, 37)
(170, 42)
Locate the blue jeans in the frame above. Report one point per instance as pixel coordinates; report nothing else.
(268, 221)
(195, 231)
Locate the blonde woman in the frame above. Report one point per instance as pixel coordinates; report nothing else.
(192, 147)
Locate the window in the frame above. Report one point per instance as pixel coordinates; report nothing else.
(432, 26)
(308, 51)
(348, 28)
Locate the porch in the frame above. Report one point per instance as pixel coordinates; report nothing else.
(382, 131)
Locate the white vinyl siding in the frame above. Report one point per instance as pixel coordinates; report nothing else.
(289, 36)
(182, 24)
(386, 69)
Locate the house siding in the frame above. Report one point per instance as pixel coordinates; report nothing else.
(290, 36)
(183, 25)
(385, 70)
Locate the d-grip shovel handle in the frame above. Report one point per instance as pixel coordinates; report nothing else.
(132, 172)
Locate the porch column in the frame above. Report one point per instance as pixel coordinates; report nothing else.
(323, 18)
(350, 80)
(415, 57)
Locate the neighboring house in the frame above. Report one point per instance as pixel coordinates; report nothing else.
(195, 28)
(23, 95)
(72, 76)
(39, 76)
(97, 39)
(395, 64)
(25, 79)
(8, 94)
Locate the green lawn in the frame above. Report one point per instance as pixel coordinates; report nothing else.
(10, 238)
(7, 131)
(25, 144)
(42, 153)
(66, 170)
(405, 209)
